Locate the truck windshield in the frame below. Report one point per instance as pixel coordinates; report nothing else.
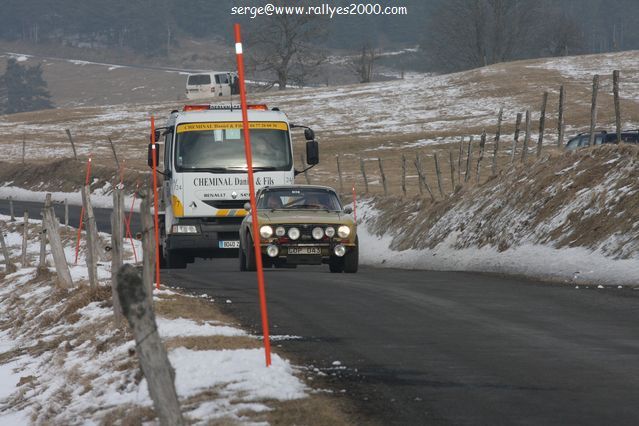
(222, 149)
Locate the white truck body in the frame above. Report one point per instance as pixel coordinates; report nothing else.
(205, 183)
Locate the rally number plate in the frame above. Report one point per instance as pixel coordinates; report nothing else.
(229, 244)
(304, 250)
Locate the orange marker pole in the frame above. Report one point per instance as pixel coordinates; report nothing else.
(155, 206)
(77, 242)
(249, 163)
(354, 205)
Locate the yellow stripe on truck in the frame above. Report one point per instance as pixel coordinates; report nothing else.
(231, 213)
(177, 206)
(221, 125)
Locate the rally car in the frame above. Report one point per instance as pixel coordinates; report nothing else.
(300, 225)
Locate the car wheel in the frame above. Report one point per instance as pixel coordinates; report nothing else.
(175, 260)
(251, 264)
(336, 264)
(242, 257)
(351, 259)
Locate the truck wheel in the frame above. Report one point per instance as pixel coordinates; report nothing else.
(242, 257)
(336, 264)
(251, 264)
(175, 260)
(351, 259)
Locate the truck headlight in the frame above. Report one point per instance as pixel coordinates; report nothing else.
(184, 229)
(266, 231)
(343, 231)
(330, 232)
(293, 233)
(280, 231)
(318, 233)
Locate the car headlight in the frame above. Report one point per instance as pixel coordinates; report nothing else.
(318, 233)
(343, 231)
(280, 231)
(330, 232)
(293, 233)
(266, 231)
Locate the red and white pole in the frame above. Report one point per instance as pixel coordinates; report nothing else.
(77, 242)
(156, 220)
(251, 182)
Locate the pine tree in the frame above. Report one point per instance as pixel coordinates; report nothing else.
(22, 88)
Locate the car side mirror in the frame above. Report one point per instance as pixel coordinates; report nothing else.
(247, 207)
(312, 153)
(348, 210)
(309, 134)
(149, 158)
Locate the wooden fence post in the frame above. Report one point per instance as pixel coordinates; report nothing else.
(57, 249)
(9, 267)
(75, 154)
(154, 361)
(66, 213)
(148, 242)
(615, 91)
(452, 171)
(115, 155)
(482, 145)
(497, 137)
(459, 159)
(383, 175)
(439, 176)
(593, 110)
(542, 124)
(516, 137)
(524, 151)
(422, 177)
(404, 174)
(560, 117)
(11, 211)
(42, 261)
(468, 160)
(420, 183)
(24, 148)
(25, 239)
(308, 179)
(117, 232)
(363, 168)
(339, 173)
(92, 225)
(91, 250)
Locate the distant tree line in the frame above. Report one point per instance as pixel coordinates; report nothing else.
(453, 34)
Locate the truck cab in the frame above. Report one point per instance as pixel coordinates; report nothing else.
(205, 183)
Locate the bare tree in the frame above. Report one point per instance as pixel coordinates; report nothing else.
(285, 46)
(363, 64)
(473, 33)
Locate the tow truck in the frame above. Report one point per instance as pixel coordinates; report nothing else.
(205, 180)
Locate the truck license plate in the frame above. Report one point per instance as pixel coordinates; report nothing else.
(304, 250)
(229, 244)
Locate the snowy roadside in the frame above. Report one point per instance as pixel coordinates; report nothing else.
(570, 219)
(568, 265)
(63, 361)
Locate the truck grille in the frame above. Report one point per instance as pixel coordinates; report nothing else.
(227, 204)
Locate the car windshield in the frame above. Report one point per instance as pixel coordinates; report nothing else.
(220, 147)
(299, 199)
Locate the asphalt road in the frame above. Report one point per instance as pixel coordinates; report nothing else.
(420, 347)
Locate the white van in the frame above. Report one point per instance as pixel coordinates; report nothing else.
(211, 84)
